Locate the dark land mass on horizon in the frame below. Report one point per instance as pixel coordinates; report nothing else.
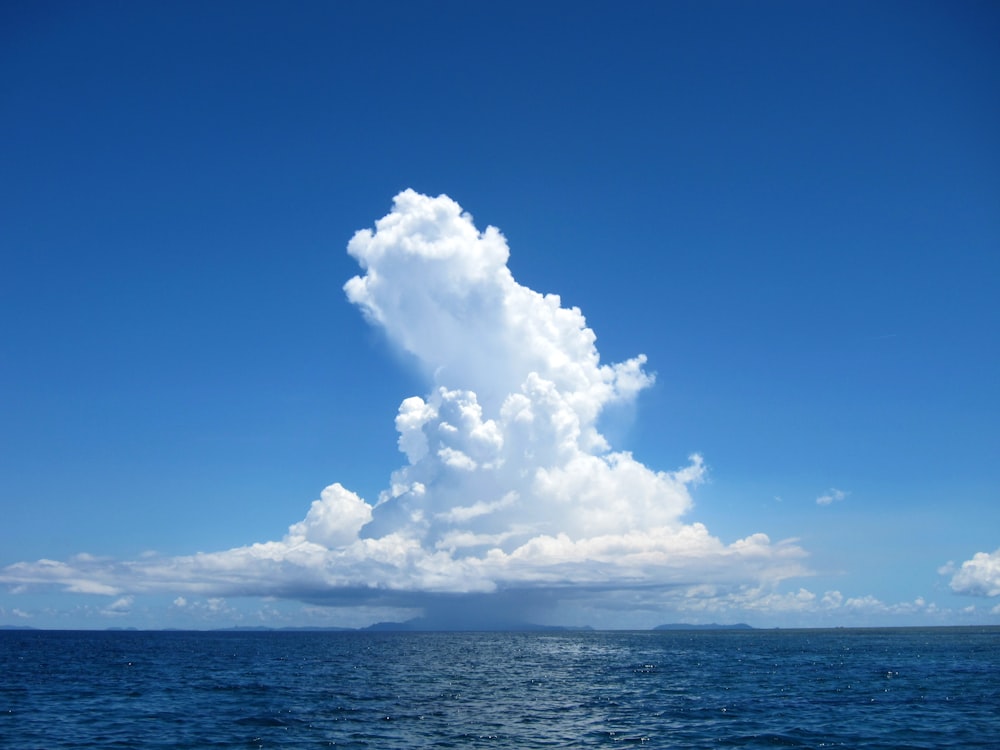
(710, 626)
(425, 624)
(419, 625)
(416, 625)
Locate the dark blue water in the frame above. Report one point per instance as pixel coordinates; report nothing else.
(909, 688)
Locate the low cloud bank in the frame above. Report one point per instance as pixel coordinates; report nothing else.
(508, 484)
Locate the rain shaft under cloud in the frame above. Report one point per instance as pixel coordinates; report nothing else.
(508, 484)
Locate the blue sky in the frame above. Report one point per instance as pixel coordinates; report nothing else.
(791, 209)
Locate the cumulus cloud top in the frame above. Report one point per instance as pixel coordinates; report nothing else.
(507, 484)
(441, 290)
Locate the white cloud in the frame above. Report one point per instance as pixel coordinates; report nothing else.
(979, 576)
(872, 605)
(333, 520)
(73, 577)
(442, 291)
(832, 599)
(832, 495)
(868, 602)
(120, 607)
(766, 603)
(508, 483)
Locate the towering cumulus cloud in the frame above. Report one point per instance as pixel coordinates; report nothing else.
(505, 449)
(508, 484)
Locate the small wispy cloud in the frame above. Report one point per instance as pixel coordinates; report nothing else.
(15, 612)
(832, 495)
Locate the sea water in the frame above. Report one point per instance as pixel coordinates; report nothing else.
(905, 688)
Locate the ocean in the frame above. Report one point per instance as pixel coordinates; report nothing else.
(898, 688)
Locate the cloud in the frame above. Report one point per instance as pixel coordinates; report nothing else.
(120, 607)
(75, 577)
(508, 484)
(832, 495)
(333, 520)
(710, 602)
(979, 576)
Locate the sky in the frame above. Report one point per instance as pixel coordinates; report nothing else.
(591, 313)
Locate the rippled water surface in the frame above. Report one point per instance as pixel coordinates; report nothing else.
(908, 688)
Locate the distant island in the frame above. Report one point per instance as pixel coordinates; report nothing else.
(282, 629)
(425, 625)
(431, 625)
(710, 626)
